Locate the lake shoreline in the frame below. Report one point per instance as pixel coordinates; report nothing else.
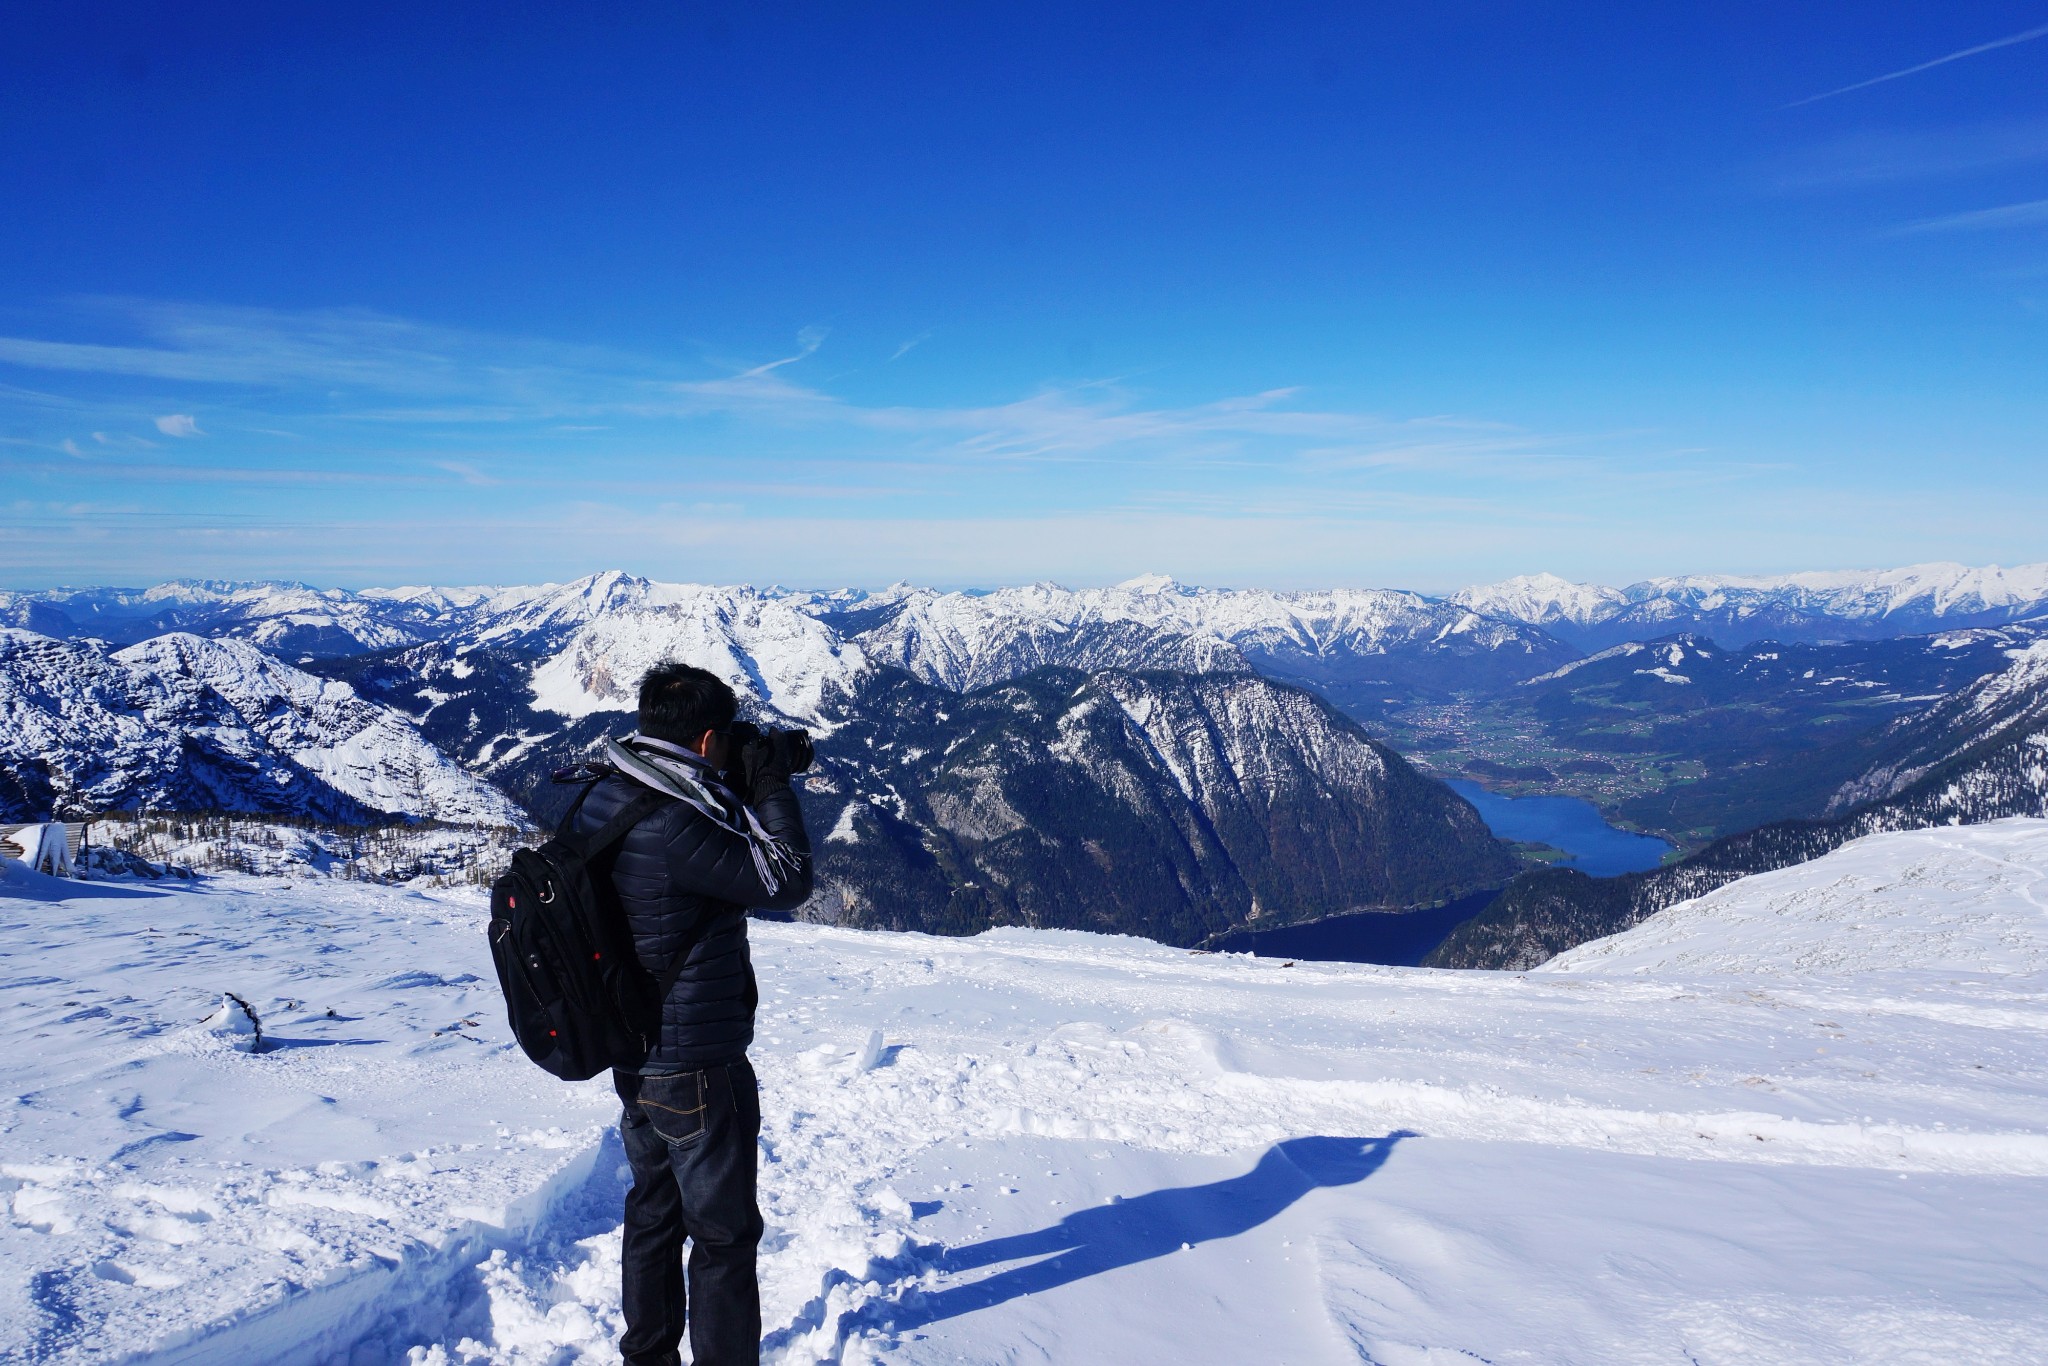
(1384, 938)
(1595, 845)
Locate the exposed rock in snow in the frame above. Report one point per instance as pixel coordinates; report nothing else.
(234, 1024)
(1164, 804)
(1991, 734)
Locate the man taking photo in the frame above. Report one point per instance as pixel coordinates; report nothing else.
(733, 840)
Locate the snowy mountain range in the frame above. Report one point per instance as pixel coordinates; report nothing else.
(960, 639)
(287, 619)
(187, 723)
(964, 640)
(438, 702)
(1175, 804)
(1735, 610)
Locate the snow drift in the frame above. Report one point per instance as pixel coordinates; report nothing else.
(1051, 1146)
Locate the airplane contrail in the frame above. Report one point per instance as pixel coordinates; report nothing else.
(2027, 37)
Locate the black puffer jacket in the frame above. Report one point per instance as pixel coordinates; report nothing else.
(686, 884)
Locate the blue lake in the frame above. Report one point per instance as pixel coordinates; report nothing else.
(1398, 939)
(1405, 938)
(1567, 823)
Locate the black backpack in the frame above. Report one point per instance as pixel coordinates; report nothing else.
(575, 992)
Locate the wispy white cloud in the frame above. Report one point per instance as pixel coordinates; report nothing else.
(1872, 157)
(233, 474)
(330, 365)
(347, 350)
(2033, 213)
(900, 352)
(466, 472)
(381, 398)
(807, 342)
(2039, 31)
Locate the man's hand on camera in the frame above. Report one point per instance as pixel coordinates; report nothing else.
(766, 763)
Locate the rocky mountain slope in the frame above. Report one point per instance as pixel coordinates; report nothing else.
(1171, 805)
(1176, 806)
(1965, 737)
(1981, 756)
(782, 661)
(187, 723)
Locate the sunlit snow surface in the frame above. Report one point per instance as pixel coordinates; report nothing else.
(1713, 1143)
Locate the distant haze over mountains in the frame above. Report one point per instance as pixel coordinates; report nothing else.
(947, 636)
(1735, 610)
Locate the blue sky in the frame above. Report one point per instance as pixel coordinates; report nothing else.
(822, 293)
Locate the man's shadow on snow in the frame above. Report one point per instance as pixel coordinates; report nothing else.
(1102, 1238)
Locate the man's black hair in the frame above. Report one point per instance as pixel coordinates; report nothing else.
(679, 702)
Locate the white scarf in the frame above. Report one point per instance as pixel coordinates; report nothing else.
(686, 777)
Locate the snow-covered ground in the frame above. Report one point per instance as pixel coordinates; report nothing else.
(1703, 1143)
(1865, 908)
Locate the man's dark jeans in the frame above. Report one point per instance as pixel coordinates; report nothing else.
(690, 1138)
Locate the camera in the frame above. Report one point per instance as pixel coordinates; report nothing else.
(793, 744)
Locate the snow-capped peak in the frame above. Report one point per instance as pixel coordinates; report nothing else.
(1542, 599)
(201, 724)
(770, 651)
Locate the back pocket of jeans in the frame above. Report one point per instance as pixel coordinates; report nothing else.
(674, 1105)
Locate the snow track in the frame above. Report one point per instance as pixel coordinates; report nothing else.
(1048, 1147)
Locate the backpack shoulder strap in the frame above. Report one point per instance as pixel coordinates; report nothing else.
(565, 827)
(623, 820)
